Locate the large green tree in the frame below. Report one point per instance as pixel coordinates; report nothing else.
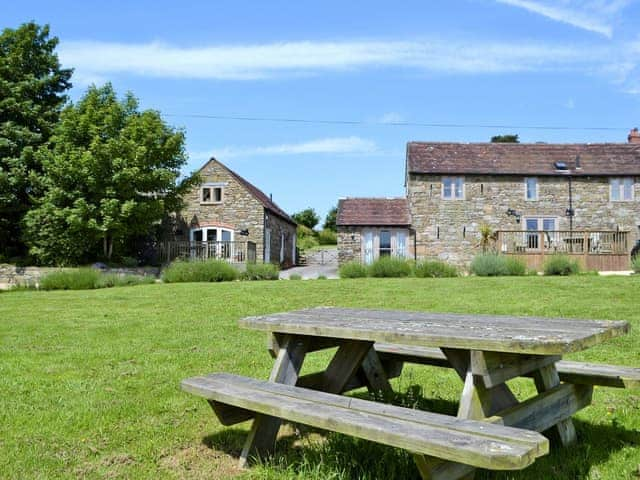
(330, 220)
(307, 217)
(32, 86)
(110, 172)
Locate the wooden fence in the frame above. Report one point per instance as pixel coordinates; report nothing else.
(595, 250)
(232, 252)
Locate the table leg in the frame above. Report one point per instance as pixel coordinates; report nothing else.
(476, 403)
(375, 374)
(344, 365)
(545, 379)
(262, 436)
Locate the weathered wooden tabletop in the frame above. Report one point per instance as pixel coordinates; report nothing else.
(525, 335)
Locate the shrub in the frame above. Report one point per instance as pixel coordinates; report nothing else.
(489, 265)
(108, 280)
(295, 276)
(199, 271)
(390, 267)
(515, 266)
(261, 271)
(353, 270)
(561, 265)
(81, 279)
(306, 238)
(321, 277)
(435, 269)
(635, 264)
(129, 262)
(327, 237)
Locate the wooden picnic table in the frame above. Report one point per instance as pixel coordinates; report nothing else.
(485, 351)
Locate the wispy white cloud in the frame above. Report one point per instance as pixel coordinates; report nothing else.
(331, 145)
(592, 15)
(250, 62)
(391, 117)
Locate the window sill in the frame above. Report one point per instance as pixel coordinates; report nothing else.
(210, 203)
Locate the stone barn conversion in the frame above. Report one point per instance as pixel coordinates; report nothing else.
(536, 199)
(372, 227)
(229, 218)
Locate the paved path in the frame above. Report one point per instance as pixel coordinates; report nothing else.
(311, 272)
(321, 262)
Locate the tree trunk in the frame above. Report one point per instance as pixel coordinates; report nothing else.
(107, 246)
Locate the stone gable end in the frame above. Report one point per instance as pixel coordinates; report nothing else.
(239, 209)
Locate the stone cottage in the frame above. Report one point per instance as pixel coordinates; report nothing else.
(535, 198)
(227, 208)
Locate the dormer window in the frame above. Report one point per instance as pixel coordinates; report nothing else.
(210, 194)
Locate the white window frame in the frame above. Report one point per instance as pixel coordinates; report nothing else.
(370, 243)
(620, 187)
(526, 189)
(205, 232)
(534, 244)
(540, 219)
(212, 195)
(454, 190)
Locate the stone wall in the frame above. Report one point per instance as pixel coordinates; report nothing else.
(349, 248)
(12, 275)
(449, 229)
(278, 226)
(239, 209)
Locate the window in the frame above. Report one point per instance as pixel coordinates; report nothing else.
(211, 234)
(282, 239)
(531, 188)
(535, 225)
(452, 188)
(385, 243)
(621, 189)
(267, 245)
(210, 194)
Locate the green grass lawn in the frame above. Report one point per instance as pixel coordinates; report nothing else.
(89, 380)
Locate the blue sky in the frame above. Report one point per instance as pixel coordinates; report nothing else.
(568, 63)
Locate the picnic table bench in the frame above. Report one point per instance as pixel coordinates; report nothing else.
(493, 429)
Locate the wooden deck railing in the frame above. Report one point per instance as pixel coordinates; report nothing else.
(232, 252)
(595, 249)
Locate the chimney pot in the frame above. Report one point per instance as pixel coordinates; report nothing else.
(634, 136)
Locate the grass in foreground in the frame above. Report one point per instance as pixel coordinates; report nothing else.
(89, 379)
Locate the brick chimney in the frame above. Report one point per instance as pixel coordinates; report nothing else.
(634, 136)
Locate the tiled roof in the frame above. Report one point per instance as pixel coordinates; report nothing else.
(523, 158)
(259, 195)
(373, 211)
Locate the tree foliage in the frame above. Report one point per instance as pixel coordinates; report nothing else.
(32, 86)
(330, 220)
(110, 173)
(307, 217)
(510, 138)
